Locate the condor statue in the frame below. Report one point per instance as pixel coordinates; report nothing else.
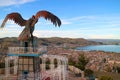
(29, 24)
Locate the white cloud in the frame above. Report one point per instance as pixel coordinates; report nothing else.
(10, 29)
(13, 2)
(65, 22)
(5, 32)
(115, 20)
(78, 27)
(10, 32)
(83, 18)
(51, 33)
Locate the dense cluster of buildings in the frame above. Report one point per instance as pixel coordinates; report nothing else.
(98, 60)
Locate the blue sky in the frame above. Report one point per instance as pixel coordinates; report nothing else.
(98, 19)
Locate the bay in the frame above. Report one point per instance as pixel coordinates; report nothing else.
(106, 48)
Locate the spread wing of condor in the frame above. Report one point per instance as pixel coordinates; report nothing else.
(16, 17)
(48, 16)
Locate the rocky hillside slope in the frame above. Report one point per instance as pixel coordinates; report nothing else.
(54, 41)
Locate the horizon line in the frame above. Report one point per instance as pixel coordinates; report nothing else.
(66, 37)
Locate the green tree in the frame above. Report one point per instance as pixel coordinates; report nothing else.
(104, 60)
(71, 62)
(118, 69)
(105, 78)
(82, 61)
(88, 72)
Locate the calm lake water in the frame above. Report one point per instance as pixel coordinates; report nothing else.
(106, 48)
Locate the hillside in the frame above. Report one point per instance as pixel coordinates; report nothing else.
(71, 42)
(54, 41)
(107, 41)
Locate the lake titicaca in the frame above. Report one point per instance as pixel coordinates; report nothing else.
(106, 48)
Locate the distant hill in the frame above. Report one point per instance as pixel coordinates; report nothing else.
(107, 41)
(71, 42)
(54, 41)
